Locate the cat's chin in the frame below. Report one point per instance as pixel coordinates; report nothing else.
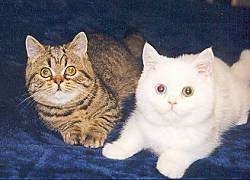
(60, 98)
(166, 118)
(168, 112)
(171, 116)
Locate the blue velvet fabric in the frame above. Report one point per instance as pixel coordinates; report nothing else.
(28, 149)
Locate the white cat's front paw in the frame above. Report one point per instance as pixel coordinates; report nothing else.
(114, 151)
(170, 169)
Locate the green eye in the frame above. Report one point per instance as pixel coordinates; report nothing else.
(70, 71)
(45, 72)
(188, 91)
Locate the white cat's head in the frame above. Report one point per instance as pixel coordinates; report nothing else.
(176, 88)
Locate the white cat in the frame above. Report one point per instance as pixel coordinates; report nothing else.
(183, 105)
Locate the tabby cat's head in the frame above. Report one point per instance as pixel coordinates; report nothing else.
(58, 75)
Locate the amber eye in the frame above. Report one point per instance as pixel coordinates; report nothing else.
(188, 91)
(161, 88)
(70, 71)
(45, 72)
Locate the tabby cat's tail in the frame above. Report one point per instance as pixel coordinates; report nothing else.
(135, 43)
(242, 67)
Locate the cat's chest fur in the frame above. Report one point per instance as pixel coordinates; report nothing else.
(161, 137)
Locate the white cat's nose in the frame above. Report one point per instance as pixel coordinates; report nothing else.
(172, 102)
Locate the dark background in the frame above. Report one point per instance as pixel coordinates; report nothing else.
(28, 149)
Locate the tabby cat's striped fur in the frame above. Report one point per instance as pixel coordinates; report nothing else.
(78, 87)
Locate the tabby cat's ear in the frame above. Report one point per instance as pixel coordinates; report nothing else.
(79, 45)
(33, 47)
(204, 62)
(149, 56)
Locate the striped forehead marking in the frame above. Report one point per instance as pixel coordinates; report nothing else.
(57, 54)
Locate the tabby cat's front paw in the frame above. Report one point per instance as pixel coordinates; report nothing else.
(73, 136)
(114, 151)
(93, 139)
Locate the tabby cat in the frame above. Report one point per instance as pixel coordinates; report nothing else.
(78, 87)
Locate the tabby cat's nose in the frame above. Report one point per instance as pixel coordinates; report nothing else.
(58, 79)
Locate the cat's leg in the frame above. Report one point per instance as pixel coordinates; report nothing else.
(72, 135)
(173, 163)
(102, 120)
(85, 134)
(94, 135)
(129, 143)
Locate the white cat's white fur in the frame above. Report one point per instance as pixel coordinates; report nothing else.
(190, 130)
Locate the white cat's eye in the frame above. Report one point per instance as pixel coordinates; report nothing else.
(187, 91)
(45, 72)
(70, 71)
(161, 88)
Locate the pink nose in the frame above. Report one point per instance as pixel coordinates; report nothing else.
(58, 79)
(172, 102)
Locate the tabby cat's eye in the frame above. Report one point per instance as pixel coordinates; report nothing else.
(188, 91)
(161, 88)
(70, 71)
(45, 72)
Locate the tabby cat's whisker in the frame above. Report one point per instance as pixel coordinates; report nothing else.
(31, 96)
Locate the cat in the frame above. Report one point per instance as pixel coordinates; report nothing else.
(79, 87)
(183, 105)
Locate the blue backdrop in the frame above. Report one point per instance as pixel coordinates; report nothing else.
(28, 149)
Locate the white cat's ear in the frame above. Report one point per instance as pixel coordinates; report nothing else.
(149, 56)
(33, 47)
(79, 45)
(204, 62)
